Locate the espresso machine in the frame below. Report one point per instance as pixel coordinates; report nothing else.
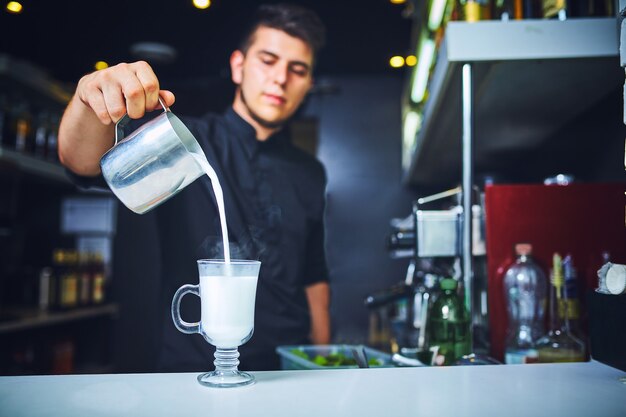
(431, 238)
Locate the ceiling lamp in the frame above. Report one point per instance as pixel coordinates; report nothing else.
(396, 61)
(154, 52)
(100, 65)
(410, 60)
(201, 4)
(14, 7)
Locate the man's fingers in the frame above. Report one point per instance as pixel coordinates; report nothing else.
(99, 107)
(114, 101)
(149, 83)
(123, 89)
(167, 97)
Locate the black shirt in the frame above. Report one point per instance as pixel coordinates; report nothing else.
(274, 195)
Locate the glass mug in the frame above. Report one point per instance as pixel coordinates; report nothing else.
(227, 294)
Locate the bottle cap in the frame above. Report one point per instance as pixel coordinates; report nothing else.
(616, 279)
(523, 249)
(448, 284)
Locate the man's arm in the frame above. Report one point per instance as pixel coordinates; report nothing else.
(318, 296)
(87, 127)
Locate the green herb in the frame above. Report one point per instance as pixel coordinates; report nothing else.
(332, 359)
(300, 353)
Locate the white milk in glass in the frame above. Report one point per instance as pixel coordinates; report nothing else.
(227, 308)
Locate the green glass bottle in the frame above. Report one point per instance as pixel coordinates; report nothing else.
(449, 332)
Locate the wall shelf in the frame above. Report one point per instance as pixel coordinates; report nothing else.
(30, 319)
(32, 82)
(33, 165)
(531, 78)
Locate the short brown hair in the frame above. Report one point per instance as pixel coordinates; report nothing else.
(294, 20)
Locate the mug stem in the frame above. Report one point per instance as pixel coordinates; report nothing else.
(226, 360)
(226, 374)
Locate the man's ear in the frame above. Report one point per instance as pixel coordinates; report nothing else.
(236, 66)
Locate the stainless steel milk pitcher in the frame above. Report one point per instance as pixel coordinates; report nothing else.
(153, 163)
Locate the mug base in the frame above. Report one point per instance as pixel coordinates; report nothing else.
(226, 379)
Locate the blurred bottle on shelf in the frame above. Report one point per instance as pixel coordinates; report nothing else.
(23, 127)
(76, 279)
(47, 292)
(567, 9)
(42, 127)
(98, 279)
(559, 344)
(84, 279)
(569, 306)
(472, 10)
(508, 10)
(601, 8)
(58, 269)
(51, 139)
(67, 278)
(449, 325)
(525, 293)
(517, 9)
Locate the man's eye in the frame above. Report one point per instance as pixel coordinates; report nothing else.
(299, 71)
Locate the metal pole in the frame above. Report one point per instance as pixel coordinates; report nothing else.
(468, 133)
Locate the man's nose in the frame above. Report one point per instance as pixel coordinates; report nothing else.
(280, 73)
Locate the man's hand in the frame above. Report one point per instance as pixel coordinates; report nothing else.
(124, 88)
(318, 296)
(101, 99)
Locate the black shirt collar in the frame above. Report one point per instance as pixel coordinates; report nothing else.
(247, 135)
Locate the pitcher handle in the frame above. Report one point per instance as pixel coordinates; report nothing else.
(119, 126)
(181, 324)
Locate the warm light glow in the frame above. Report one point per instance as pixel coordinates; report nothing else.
(101, 65)
(14, 7)
(410, 60)
(435, 15)
(201, 4)
(422, 70)
(396, 61)
(397, 1)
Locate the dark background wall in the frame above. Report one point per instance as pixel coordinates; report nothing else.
(360, 146)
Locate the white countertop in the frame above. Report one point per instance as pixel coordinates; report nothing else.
(575, 389)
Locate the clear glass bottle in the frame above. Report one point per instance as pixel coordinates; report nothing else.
(525, 292)
(448, 325)
(559, 344)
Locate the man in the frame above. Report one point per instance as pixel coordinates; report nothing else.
(273, 192)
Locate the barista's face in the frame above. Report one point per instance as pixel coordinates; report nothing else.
(273, 77)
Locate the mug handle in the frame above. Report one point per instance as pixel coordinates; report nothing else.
(181, 324)
(119, 126)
